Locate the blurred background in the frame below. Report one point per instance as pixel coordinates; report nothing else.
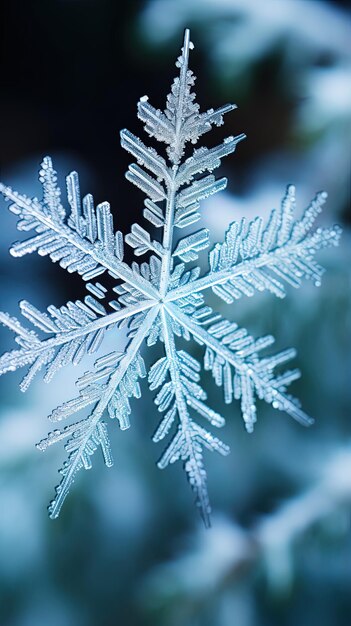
(128, 550)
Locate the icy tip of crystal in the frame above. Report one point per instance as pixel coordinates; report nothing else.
(51, 510)
(144, 98)
(46, 162)
(187, 41)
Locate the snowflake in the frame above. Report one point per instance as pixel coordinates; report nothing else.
(161, 299)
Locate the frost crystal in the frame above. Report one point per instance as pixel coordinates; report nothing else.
(162, 298)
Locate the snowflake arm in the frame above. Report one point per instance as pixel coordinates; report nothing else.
(85, 436)
(257, 257)
(181, 122)
(76, 329)
(83, 242)
(237, 351)
(175, 397)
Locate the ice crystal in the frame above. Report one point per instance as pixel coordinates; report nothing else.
(161, 299)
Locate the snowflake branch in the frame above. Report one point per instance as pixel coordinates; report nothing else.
(76, 459)
(182, 93)
(44, 351)
(242, 269)
(168, 237)
(252, 372)
(184, 444)
(256, 257)
(172, 186)
(56, 229)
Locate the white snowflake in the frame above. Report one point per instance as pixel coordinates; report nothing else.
(160, 299)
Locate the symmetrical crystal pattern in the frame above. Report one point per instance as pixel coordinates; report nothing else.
(161, 299)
